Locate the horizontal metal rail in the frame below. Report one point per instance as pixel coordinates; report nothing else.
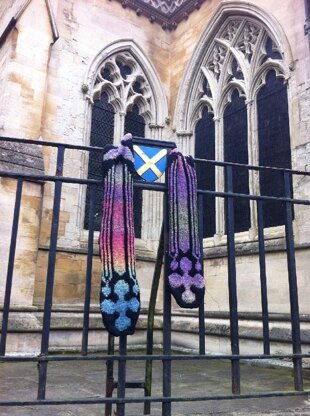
(150, 186)
(159, 143)
(155, 399)
(157, 357)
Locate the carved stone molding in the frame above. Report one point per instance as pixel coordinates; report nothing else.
(123, 79)
(239, 46)
(167, 13)
(128, 77)
(238, 49)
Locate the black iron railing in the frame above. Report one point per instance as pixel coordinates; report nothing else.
(166, 358)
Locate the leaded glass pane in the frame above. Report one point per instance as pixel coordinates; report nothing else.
(102, 128)
(274, 144)
(236, 151)
(205, 149)
(135, 125)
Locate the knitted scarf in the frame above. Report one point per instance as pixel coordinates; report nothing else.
(120, 293)
(184, 257)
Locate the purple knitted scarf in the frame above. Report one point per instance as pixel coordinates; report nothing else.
(184, 257)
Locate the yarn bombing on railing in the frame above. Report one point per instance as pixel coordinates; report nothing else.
(120, 293)
(184, 266)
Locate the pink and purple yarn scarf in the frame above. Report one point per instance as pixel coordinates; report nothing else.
(120, 293)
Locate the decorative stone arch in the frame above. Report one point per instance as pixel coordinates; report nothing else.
(187, 97)
(225, 100)
(259, 79)
(151, 100)
(240, 45)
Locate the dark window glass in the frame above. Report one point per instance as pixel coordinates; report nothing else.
(125, 70)
(206, 88)
(205, 149)
(137, 87)
(135, 125)
(236, 151)
(274, 144)
(236, 70)
(102, 129)
(106, 74)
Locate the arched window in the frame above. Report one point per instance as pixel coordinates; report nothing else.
(239, 71)
(124, 95)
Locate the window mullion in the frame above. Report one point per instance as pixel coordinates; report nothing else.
(253, 160)
(219, 178)
(119, 126)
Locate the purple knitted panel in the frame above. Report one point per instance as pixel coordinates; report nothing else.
(184, 257)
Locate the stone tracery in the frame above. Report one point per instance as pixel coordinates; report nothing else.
(123, 79)
(235, 56)
(124, 73)
(236, 52)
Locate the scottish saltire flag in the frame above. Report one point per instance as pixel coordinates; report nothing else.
(150, 162)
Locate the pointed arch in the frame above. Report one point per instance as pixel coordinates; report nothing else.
(187, 96)
(130, 53)
(122, 72)
(240, 46)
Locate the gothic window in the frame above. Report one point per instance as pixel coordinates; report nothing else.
(124, 96)
(235, 100)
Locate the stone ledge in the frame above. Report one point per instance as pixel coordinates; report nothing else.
(280, 331)
(21, 158)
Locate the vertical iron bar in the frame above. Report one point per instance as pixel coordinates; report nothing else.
(9, 276)
(88, 270)
(202, 329)
(232, 283)
(121, 382)
(42, 366)
(166, 406)
(109, 378)
(263, 277)
(150, 321)
(293, 286)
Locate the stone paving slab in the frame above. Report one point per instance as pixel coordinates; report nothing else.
(87, 380)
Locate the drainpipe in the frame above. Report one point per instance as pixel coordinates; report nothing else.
(307, 24)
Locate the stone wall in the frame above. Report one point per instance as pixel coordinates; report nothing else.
(24, 59)
(27, 239)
